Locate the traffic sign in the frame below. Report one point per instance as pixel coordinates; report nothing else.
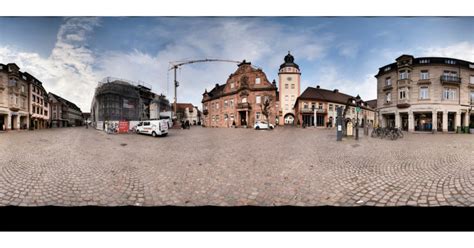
(358, 109)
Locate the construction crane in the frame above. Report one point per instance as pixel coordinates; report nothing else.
(176, 64)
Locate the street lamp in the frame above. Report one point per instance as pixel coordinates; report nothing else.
(358, 101)
(313, 107)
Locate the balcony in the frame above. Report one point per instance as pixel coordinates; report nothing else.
(454, 80)
(424, 81)
(14, 107)
(387, 87)
(403, 103)
(243, 105)
(404, 82)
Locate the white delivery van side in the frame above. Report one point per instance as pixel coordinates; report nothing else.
(153, 127)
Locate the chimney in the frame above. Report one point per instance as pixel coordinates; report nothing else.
(336, 90)
(217, 85)
(274, 83)
(317, 87)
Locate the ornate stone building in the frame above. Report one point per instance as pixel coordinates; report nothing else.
(426, 94)
(23, 100)
(241, 99)
(64, 113)
(289, 79)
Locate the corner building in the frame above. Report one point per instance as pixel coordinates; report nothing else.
(426, 94)
(240, 99)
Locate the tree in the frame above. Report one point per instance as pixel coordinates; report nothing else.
(266, 110)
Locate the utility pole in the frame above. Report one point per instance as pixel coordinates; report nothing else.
(175, 94)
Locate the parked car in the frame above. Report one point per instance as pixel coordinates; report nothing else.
(263, 125)
(153, 127)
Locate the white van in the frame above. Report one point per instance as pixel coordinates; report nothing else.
(153, 127)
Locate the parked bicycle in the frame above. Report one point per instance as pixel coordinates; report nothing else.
(387, 132)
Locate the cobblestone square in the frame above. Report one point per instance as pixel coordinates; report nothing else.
(229, 167)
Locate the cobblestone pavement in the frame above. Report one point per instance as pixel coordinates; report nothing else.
(208, 166)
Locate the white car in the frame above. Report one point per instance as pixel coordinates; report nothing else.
(263, 125)
(153, 127)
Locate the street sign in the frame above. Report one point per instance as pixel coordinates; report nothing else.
(357, 109)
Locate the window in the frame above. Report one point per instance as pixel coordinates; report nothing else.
(471, 80)
(34, 98)
(286, 107)
(450, 74)
(313, 105)
(472, 96)
(225, 104)
(449, 94)
(217, 117)
(424, 93)
(232, 85)
(388, 81)
(257, 115)
(286, 97)
(424, 61)
(244, 100)
(45, 112)
(226, 117)
(286, 86)
(213, 106)
(353, 110)
(217, 105)
(12, 82)
(232, 116)
(22, 89)
(257, 81)
(402, 94)
(231, 103)
(258, 99)
(404, 74)
(305, 105)
(54, 116)
(450, 62)
(330, 107)
(292, 86)
(388, 97)
(387, 68)
(320, 105)
(424, 75)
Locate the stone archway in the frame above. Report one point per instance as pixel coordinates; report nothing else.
(289, 119)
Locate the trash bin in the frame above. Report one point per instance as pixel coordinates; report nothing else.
(458, 129)
(466, 129)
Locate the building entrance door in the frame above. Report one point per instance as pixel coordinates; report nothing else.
(451, 122)
(320, 120)
(2, 122)
(243, 120)
(404, 120)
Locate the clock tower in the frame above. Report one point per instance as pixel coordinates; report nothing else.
(289, 79)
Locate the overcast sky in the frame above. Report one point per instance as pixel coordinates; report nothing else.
(70, 55)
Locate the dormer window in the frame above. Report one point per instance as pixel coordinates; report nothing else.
(24, 78)
(424, 61)
(450, 62)
(232, 85)
(257, 80)
(387, 68)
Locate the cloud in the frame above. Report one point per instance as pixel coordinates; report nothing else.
(68, 70)
(348, 49)
(462, 50)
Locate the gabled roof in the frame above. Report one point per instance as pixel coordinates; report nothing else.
(66, 102)
(325, 95)
(372, 103)
(182, 107)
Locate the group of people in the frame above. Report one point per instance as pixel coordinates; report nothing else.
(185, 124)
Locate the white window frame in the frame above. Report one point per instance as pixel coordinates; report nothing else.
(404, 74)
(244, 100)
(388, 97)
(225, 104)
(471, 79)
(402, 94)
(449, 94)
(286, 97)
(231, 102)
(388, 81)
(232, 85)
(424, 93)
(424, 75)
(257, 80)
(286, 86)
(292, 86)
(258, 99)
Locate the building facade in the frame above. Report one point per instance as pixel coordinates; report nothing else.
(289, 80)
(188, 112)
(241, 99)
(64, 113)
(160, 108)
(318, 107)
(13, 98)
(426, 94)
(39, 110)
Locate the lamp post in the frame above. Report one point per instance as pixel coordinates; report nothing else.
(358, 102)
(313, 107)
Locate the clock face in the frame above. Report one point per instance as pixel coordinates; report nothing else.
(288, 78)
